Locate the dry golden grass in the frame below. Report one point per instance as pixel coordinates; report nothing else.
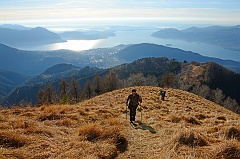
(182, 126)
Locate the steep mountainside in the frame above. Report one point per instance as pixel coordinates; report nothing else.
(28, 91)
(213, 75)
(53, 75)
(59, 71)
(19, 61)
(226, 37)
(9, 80)
(149, 66)
(182, 126)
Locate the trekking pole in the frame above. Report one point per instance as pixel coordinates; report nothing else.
(141, 111)
(126, 111)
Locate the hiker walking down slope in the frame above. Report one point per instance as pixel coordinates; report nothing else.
(163, 94)
(134, 100)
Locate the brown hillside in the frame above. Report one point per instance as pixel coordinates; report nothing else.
(182, 126)
(212, 75)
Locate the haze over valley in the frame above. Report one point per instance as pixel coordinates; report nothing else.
(110, 36)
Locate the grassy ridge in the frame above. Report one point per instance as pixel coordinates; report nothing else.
(182, 126)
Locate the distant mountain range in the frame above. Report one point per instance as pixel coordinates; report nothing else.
(226, 37)
(32, 63)
(14, 26)
(35, 62)
(86, 35)
(211, 74)
(34, 36)
(144, 50)
(17, 35)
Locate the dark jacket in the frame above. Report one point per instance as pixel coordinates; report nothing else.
(134, 100)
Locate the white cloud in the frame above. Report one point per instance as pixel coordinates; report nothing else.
(112, 9)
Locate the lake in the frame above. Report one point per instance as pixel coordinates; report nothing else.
(140, 36)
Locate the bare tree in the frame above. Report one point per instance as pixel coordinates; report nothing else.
(136, 79)
(202, 90)
(40, 97)
(231, 104)
(88, 90)
(46, 95)
(97, 85)
(111, 81)
(218, 96)
(63, 87)
(75, 90)
(151, 80)
(168, 80)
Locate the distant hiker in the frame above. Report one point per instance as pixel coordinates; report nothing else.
(162, 93)
(134, 100)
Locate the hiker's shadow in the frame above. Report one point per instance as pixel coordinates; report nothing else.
(146, 127)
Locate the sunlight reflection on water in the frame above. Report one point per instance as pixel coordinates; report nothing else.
(136, 37)
(76, 45)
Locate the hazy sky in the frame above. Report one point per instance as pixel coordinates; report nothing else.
(222, 12)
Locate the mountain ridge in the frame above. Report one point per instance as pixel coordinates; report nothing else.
(34, 62)
(187, 76)
(183, 126)
(14, 26)
(144, 50)
(223, 36)
(33, 36)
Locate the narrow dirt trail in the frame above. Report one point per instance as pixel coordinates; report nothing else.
(142, 141)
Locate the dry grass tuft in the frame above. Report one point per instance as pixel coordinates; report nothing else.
(82, 112)
(49, 116)
(192, 139)
(106, 114)
(200, 116)
(42, 155)
(66, 122)
(106, 151)
(192, 120)
(12, 140)
(222, 118)
(228, 150)
(2, 119)
(91, 132)
(110, 132)
(233, 133)
(38, 130)
(175, 118)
